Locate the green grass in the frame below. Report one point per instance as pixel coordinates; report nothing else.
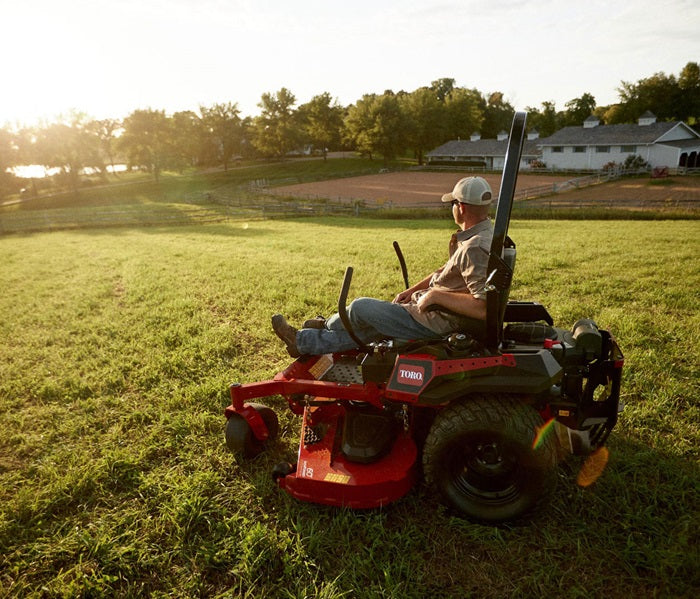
(116, 351)
(140, 188)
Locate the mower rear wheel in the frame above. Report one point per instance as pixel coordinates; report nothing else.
(240, 438)
(482, 458)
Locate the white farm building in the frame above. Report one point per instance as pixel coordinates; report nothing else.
(486, 153)
(588, 147)
(594, 145)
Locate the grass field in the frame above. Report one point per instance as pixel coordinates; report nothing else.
(116, 351)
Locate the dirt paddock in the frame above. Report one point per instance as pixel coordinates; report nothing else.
(421, 188)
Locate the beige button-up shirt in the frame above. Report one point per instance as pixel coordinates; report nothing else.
(465, 270)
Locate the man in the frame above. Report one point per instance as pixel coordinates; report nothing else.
(449, 299)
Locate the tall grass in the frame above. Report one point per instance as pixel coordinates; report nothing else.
(116, 350)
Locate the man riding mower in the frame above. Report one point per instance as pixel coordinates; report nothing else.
(451, 380)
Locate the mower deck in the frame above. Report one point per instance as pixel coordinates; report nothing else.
(324, 475)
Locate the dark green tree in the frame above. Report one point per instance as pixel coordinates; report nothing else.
(659, 94)
(322, 121)
(578, 110)
(689, 84)
(545, 121)
(147, 140)
(464, 113)
(276, 130)
(498, 116)
(378, 125)
(442, 87)
(357, 125)
(426, 119)
(223, 132)
(187, 134)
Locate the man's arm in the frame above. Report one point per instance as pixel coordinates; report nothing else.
(405, 296)
(460, 302)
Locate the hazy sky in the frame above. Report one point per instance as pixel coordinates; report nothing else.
(107, 58)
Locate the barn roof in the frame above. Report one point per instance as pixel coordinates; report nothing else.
(481, 147)
(611, 134)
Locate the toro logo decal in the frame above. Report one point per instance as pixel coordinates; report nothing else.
(411, 375)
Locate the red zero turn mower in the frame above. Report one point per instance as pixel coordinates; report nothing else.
(485, 418)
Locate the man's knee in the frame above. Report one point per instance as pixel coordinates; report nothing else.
(368, 311)
(361, 309)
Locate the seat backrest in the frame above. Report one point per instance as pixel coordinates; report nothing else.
(509, 254)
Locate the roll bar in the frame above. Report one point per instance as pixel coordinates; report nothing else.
(499, 273)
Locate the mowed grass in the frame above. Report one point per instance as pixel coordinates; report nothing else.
(116, 351)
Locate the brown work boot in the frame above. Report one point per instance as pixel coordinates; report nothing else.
(315, 323)
(286, 333)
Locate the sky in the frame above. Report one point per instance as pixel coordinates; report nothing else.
(108, 58)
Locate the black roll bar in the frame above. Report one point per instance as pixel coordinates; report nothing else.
(499, 272)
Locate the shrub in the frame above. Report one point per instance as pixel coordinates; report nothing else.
(635, 162)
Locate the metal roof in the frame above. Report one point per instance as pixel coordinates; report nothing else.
(612, 134)
(682, 143)
(481, 148)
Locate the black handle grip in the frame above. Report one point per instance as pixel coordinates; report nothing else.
(402, 262)
(342, 309)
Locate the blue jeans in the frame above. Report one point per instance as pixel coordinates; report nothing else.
(371, 320)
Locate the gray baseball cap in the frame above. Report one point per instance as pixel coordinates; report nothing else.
(470, 190)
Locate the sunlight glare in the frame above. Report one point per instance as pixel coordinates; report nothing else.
(593, 467)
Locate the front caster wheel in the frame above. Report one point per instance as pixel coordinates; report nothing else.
(240, 438)
(281, 470)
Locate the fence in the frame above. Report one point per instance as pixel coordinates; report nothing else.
(63, 219)
(254, 201)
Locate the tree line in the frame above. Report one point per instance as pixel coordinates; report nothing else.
(387, 125)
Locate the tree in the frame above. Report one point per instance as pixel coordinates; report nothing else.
(69, 145)
(322, 122)
(464, 113)
(9, 157)
(105, 130)
(498, 115)
(222, 131)
(689, 84)
(358, 123)
(442, 87)
(425, 115)
(377, 125)
(615, 114)
(545, 120)
(578, 110)
(147, 140)
(659, 94)
(187, 135)
(275, 130)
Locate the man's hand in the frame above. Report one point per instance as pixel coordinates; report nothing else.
(426, 300)
(460, 302)
(403, 297)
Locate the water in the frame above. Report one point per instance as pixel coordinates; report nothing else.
(37, 171)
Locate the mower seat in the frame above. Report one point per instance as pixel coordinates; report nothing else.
(473, 327)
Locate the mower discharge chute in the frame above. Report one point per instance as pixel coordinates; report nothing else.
(484, 418)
